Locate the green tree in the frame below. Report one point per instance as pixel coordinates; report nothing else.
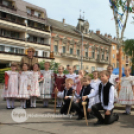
(129, 50)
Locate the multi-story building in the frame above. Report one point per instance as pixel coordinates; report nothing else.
(66, 43)
(126, 60)
(22, 25)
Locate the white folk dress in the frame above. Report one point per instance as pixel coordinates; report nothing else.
(73, 77)
(126, 95)
(95, 85)
(112, 80)
(24, 81)
(12, 90)
(47, 85)
(35, 91)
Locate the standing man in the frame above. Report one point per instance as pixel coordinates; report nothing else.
(30, 60)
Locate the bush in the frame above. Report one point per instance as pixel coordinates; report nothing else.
(2, 74)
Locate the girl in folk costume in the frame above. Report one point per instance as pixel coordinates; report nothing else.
(24, 84)
(113, 79)
(95, 84)
(35, 92)
(47, 85)
(78, 81)
(11, 85)
(72, 75)
(126, 95)
(59, 83)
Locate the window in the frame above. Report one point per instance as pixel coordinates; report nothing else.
(102, 56)
(78, 52)
(98, 56)
(113, 56)
(113, 65)
(86, 54)
(36, 53)
(64, 49)
(71, 50)
(45, 54)
(12, 49)
(2, 48)
(21, 51)
(34, 39)
(55, 48)
(16, 50)
(93, 68)
(113, 47)
(93, 54)
(107, 58)
(28, 10)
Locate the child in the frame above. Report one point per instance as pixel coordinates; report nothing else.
(72, 75)
(112, 79)
(24, 85)
(78, 81)
(34, 93)
(95, 84)
(66, 95)
(11, 86)
(86, 90)
(126, 95)
(46, 87)
(106, 95)
(59, 83)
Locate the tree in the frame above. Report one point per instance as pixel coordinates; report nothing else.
(121, 10)
(129, 50)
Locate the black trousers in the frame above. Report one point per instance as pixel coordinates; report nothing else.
(78, 107)
(108, 118)
(64, 108)
(27, 103)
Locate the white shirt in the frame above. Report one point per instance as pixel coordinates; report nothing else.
(91, 100)
(95, 85)
(111, 98)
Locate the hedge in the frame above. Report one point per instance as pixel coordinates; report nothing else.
(2, 74)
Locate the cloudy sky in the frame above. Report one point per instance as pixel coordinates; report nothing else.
(97, 12)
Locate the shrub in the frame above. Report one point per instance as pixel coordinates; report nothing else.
(2, 74)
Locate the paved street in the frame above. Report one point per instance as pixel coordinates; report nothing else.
(66, 125)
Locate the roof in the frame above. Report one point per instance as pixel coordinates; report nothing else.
(72, 29)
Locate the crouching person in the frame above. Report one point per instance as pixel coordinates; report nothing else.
(106, 95)
(66, 94)
(86, 90)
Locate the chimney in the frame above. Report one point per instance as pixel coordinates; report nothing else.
(63, 21)
(98, 32)
(109, 36)
(105, 35)
(114, 38)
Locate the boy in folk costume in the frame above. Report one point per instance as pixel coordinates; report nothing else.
(126, 95)
(106, 95)
(59, 83)
(47, 85)
(66, 95)
(86, 90)
(11, 86)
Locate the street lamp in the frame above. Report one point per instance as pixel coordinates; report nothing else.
(81, 46)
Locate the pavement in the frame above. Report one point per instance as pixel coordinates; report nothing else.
(44, 121)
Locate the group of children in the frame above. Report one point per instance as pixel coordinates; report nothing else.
(100, 93)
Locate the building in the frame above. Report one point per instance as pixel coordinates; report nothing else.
(22, 25)
(126, 60)
(66, 43)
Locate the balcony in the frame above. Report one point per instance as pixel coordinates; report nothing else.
(8, 7)
(13, 21)
(36, 42)
(33, 16)
(9, 37)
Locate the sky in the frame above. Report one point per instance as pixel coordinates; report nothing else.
(97, 12)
